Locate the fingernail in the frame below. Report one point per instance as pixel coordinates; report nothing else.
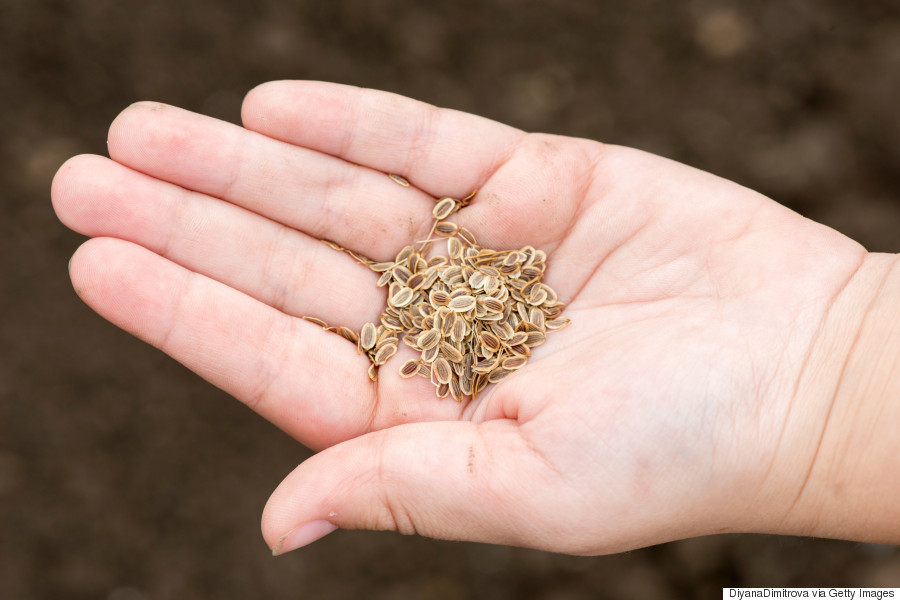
(302, 535)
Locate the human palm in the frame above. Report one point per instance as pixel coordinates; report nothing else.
(663, 411)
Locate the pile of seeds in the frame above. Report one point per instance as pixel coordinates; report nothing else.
(472, 316)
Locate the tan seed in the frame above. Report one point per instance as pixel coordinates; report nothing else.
(455, 390)
(454, 248)
(384, 353)
(491, 304)
(481, 380)
(438, 298)
(385, 279)
(409, 369)
(440, 369)
(535, 338)
(415, 282)
(446, 228)
(557, 324)
(498, 375)
(315, 321)
(381, 267)
(458, 333)
(466, 235)
(466, 385)
(367, 336)
(520, 350)
(489, 341)
(462, 304)
(517, 338)
(451, 353)
(447, 324)
(348, 334)
(537, 296)
(444, 208)
(399, 179)
(429, 355)
(485, 366)
(424, 370)
(502, 330)
(391, 322)
(403, 297)
(428, 339)
(514, 362)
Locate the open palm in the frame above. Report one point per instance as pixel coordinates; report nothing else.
(663, 411)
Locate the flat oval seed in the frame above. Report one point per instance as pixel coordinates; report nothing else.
(430, 354)
(438, 298)
(441, 370)
(498, 375)
(514, 362)
(416, 281)
(385, 279)
(502, 330)
(485, 366)
(428, 339)
(451, 353)
(476, 280)
(535, 338)
(456, 390)
(367, 336)
(454, 248)
(444, 208)
(403, 297)
(461, 304)
(391, 322)
(381, 267)
(491, 304)
(458, 333)
(466, 235)
(399, 179)
(517, 338)
(537, 297)
(448, 323)
(489, 341)
(557, 324)
(409, 368)
(520, 350)
(315, 321)
(423, 370)
(446, 228)
(384, 353)
(466, 385)
(348, 334)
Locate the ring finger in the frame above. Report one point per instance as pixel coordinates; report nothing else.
(273, 263)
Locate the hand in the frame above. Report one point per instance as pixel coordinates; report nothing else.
(671, 407)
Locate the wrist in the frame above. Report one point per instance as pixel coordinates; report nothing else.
(843, 428)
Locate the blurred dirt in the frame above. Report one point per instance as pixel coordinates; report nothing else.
(125, 477)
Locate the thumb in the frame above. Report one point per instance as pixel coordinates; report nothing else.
(448, 480)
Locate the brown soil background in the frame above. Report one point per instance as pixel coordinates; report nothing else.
(125, 477)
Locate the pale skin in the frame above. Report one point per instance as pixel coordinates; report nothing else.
(730, 364)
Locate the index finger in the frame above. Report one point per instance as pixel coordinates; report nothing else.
(441, 151)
